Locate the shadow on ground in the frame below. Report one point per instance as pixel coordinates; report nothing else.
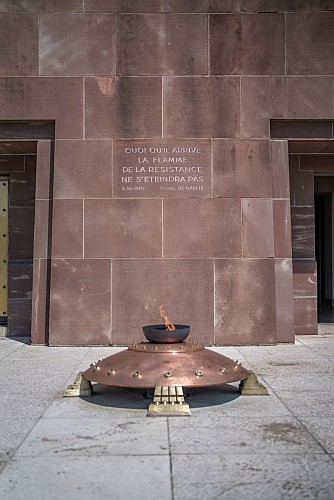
(200, 397)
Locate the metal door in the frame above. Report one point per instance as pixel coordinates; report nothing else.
(4, 184)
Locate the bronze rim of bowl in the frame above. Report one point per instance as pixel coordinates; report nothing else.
(159, 334)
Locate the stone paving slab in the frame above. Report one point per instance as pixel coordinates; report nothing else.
(32, 367)
(109, 401)
(87, 478)
(8, 347)
(281, 355)
(227, 401)
(16, 406)
(211, 433)
(321, 344)
(108, 435)
(230, 352)
(252, 476)
(13, 432)
(322, 429)
(32, 383)
(322, 382)
(326, 352)
(308, 403)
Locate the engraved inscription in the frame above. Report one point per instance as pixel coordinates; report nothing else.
(161, 168)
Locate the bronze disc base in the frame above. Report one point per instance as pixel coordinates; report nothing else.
(148, 365)
(167, 368)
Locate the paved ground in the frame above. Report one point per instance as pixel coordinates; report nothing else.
(263, 447)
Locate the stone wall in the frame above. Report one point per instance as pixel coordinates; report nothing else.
(133, 88)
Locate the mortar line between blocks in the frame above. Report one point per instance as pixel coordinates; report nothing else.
(112, 168)
(211, 168)
(83, 228)
(83, 108)
(328, 453)
(170, 461)
(110, 301)
(285, 40)
(162, 229)
(39, 43)
(214, 301)
(208, 41)
(115, 51)
(162, 107)
(240, 106)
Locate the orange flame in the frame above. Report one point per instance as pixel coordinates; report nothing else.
(168, 324)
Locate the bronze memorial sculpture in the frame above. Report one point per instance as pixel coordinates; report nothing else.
(167, 364)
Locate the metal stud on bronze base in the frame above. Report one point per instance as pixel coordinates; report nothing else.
(147, 365)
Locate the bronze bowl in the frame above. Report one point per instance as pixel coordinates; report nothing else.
(158, 334)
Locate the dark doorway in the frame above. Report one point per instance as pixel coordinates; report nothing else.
(324, 255)
(18, 179)
(27, 163)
